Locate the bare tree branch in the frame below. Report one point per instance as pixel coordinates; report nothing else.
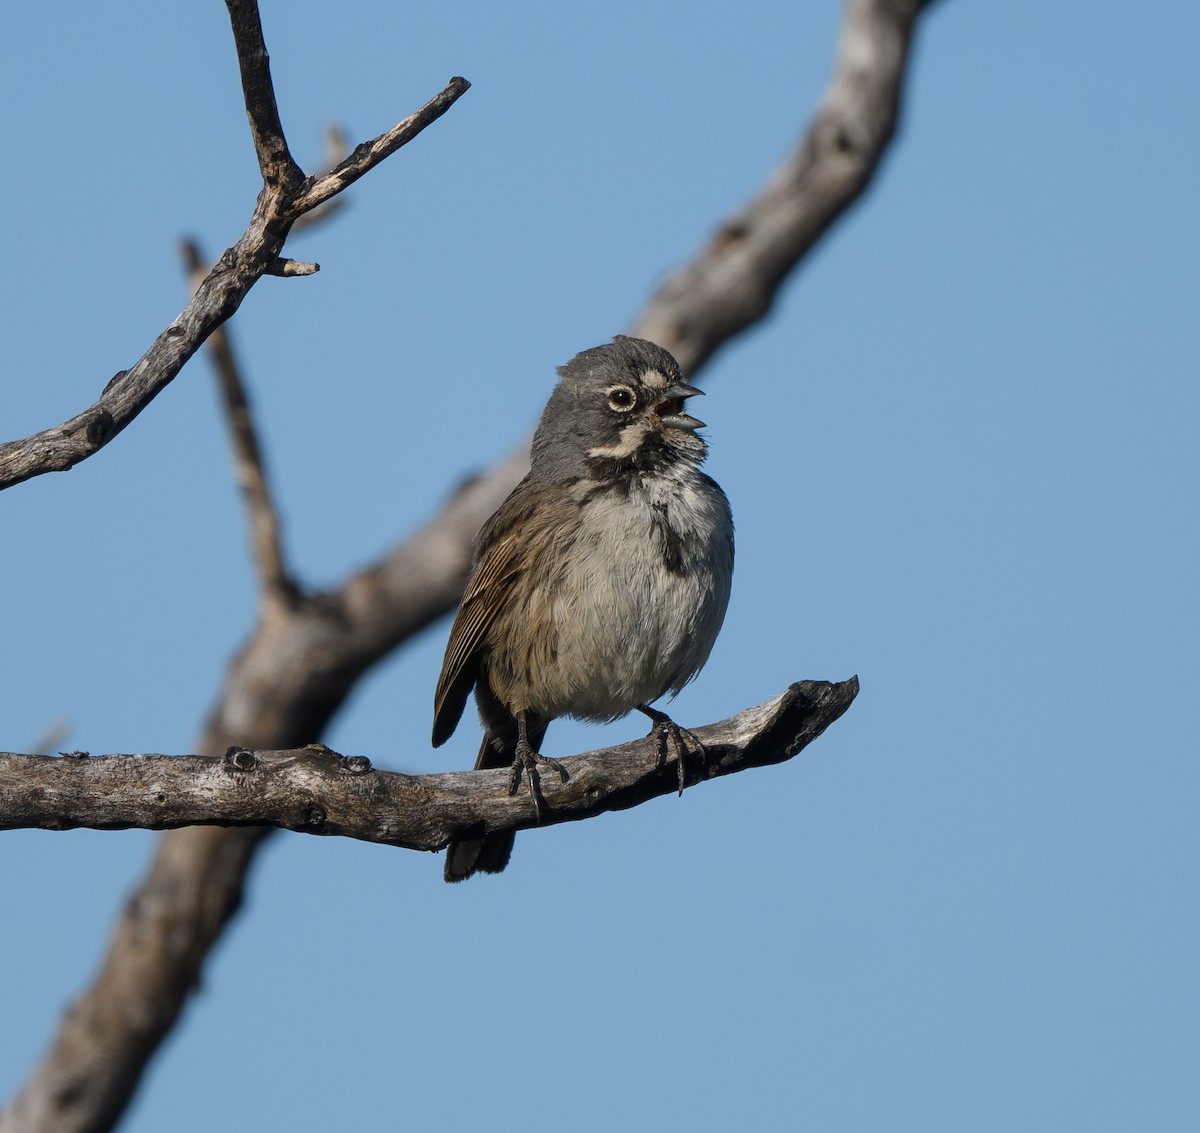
(276, 583)
(336, 149)
(733, 282)
(107, 1036)
(366, 156)
(295, 671)
(284, 198)
(313, 790)
(275, 161)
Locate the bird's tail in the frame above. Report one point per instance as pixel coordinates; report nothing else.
(489, 853)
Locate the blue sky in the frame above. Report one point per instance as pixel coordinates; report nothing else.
(962, 456)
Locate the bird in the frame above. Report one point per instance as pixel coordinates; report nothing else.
(599, 585)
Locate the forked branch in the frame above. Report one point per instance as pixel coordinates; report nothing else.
(286, 196)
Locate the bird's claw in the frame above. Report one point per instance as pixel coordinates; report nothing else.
(526, 764)
(670, 734)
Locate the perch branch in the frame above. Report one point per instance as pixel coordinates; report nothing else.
(313, 790)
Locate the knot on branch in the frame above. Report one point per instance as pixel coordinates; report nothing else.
(355, 764)
(240, 759)
(97, 426)
(100, 428)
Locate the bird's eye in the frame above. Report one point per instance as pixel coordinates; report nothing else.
(622, 398)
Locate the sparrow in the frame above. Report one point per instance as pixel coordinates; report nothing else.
(599, 585)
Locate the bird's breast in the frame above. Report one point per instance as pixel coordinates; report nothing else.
(640, 597)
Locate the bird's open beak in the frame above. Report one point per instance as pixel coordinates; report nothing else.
(670, 408)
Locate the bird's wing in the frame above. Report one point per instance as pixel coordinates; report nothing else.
(499, 556)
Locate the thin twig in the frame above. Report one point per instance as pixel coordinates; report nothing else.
(276, 583)
(365, 157)
(288, 269)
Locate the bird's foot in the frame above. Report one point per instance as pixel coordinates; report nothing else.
(525, 765)
(671, 735)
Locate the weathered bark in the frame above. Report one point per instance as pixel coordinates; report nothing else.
(313, 790)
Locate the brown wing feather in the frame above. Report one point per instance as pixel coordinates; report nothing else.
(498, 564)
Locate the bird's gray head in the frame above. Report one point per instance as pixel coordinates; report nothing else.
(618, 407)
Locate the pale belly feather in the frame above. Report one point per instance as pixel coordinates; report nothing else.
(642, 598)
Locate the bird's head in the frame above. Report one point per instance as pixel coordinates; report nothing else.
(620, 404)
